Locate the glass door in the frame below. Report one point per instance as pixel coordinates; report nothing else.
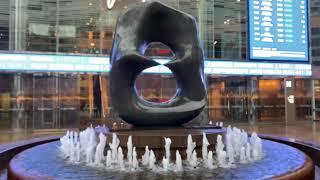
(303, 99)
(227, 99)
(68, 100)
(315, 99)
(271, 101)
(45, 100)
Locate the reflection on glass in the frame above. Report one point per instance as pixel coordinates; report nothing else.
(87, 27)
(227, 99)
(156, 88)
(271, 105)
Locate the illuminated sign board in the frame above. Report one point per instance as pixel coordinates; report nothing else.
(99, 64)
(60, 63)
(257, 68)
(244, 68)
(278, 30)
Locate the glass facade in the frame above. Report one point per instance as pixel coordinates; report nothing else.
(315, 30)
(86, 27)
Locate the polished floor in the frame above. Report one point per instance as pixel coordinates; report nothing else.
(308, 131)
(9, 136)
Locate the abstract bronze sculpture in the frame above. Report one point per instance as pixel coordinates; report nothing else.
(138, 27)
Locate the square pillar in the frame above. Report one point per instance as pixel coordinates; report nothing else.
(289, 93)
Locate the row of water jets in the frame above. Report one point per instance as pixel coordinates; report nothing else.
(84, 147)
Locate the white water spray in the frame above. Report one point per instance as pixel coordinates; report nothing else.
(167, 148)
(190, 147)
(209, 161)
(120, 159)
(145, 157)
(89, 147)
(109, 159)
(114, 147)
(178, 162)
(99, 156)
(152, 160)
(194, 159)
(129, 154)
(205, 144)
(165, 164)
(135, 163)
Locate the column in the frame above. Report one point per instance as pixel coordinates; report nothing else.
(290, 107)
(313, 101)
(252, 101)
(18, 25)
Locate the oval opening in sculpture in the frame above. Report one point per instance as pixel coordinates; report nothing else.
(158, 49)
(160, 86)
(156, 88)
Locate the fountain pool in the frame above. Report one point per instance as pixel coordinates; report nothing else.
(264, 160)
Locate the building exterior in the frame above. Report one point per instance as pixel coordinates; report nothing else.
(79, 29)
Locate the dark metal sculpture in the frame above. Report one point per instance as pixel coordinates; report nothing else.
(138, 27)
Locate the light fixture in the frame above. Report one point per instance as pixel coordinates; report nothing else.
(110, 3)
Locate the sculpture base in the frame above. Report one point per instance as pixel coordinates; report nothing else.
(154, 139)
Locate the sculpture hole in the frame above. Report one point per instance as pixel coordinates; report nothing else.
(157, 84)
(158, 49)
(156, 88)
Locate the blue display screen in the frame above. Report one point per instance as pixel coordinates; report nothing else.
(278, 30)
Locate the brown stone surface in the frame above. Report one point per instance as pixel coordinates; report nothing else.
(307, 171)
(154, 139)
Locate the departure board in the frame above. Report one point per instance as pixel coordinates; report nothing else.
(278, 30)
